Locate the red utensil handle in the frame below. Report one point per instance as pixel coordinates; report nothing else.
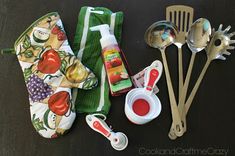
(153, 75)
(100, 128)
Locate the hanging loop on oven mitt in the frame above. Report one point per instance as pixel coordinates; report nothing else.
(50, 70)
(87, 47)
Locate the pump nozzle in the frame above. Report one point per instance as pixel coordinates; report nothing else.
(104, 29)
(107, 38)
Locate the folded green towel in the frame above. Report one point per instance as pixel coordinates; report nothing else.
(87, 47)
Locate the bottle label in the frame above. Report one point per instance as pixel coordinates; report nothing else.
(117, 74)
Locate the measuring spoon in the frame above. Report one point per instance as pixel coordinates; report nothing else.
(141, 104)
(118, 140)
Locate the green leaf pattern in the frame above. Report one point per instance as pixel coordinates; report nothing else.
(38, 125)
(63, 66)
(62, 54)
(27, 72)
(26, 42)
(90, 83)
(28, 53)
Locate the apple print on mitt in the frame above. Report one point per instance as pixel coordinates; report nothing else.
(50, 70)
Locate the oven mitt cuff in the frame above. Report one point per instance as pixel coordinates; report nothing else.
(50, 70)
(7, 51)
(87, 47)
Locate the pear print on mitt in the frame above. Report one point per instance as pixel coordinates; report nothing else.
(50, 70)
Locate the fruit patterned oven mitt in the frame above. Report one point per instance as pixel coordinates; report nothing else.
(50, 70)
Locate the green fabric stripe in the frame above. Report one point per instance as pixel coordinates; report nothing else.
(92, 51)
(87, 102)
(79, 31)
(118, 26)
(107, 105)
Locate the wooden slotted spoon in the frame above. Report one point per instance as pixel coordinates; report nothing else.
(182, 17)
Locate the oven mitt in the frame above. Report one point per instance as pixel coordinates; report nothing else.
(87, 47)
(50, 70)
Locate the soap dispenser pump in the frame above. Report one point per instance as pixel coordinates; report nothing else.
(118, 77)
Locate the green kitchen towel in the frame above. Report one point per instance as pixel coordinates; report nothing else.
(87, 47)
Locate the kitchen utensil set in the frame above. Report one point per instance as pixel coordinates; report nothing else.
(178, 30)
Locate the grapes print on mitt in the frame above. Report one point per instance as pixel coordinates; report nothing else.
(50, 70)
(38, 90)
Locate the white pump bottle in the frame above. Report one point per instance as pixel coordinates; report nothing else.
(118, 77)
(107, 38)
